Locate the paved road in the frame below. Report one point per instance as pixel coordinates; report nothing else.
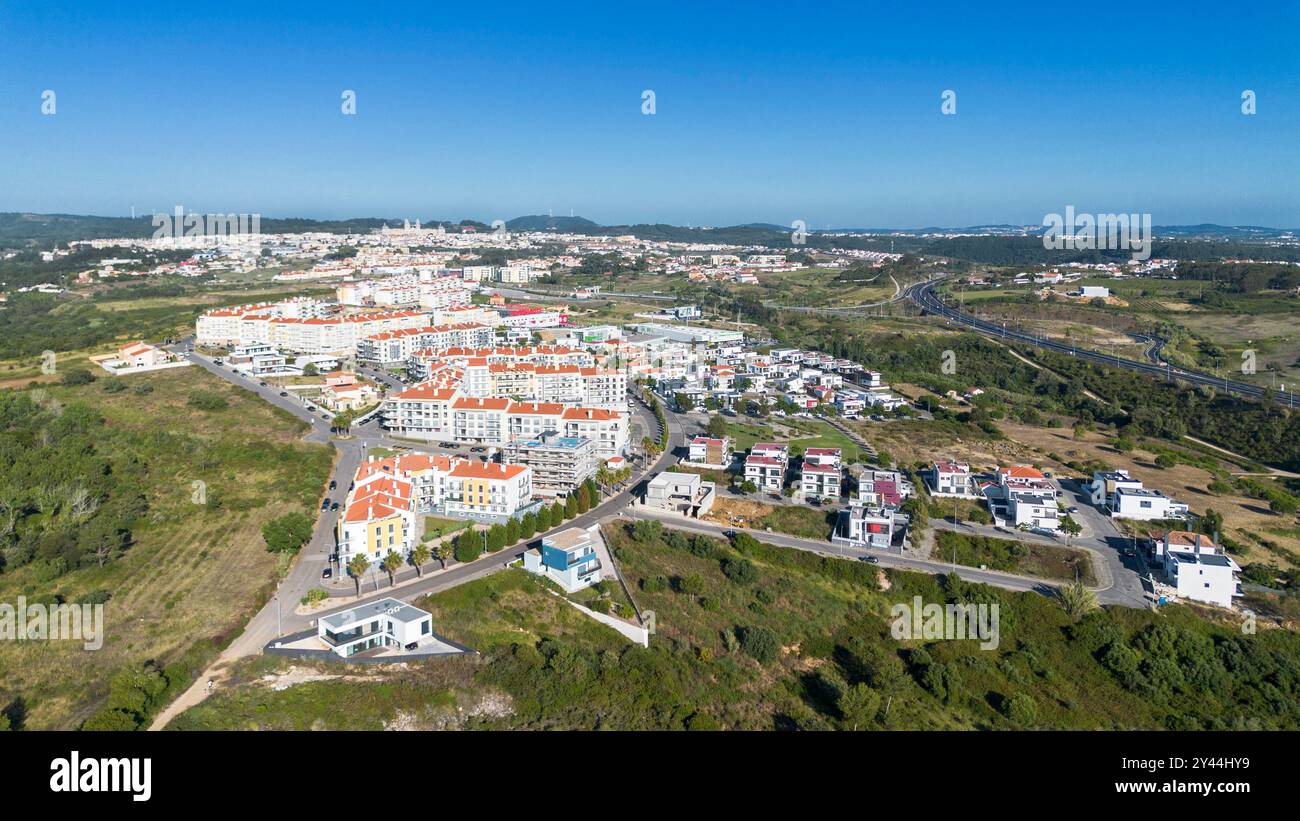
(923, 294)
(1006, 581)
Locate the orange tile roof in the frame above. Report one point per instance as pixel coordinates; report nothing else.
(488, 470)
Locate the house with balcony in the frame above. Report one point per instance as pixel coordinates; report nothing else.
(1123, 497)
(952, 479)
(1197, 568)
(686, 494)
(862, 525)
(559, 463)
(371, 627)
(766, 465)
(706, 451)
(567, 558)
(821, 475)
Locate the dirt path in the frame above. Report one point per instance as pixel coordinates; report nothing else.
(1270, 471)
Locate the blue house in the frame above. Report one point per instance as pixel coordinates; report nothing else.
(568, 558)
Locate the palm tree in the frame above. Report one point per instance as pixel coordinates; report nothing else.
(358, 566)
(1076, 600)
(391, 563)
(443, 552)
(420, 556)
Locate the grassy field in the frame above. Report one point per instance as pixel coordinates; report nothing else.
(793, 519)
(1013, 556)
(196, 572)
(820, 287)
(751, 636)
(436, 527)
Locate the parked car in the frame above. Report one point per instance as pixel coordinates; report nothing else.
(477, 449)
(446, 444)
(284, 393)
(334, 506)
(869, 559)
(333, 484)
(327, 573)
(325, 505)
(730, 534)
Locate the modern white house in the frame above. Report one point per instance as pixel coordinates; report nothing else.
(384, 623)
(820, 477)
(707, 451)
(1197, 568)
(864, 526)
(684, 493)
(1106, 482)
(1023, 497)
(953, 479)
(568, 558)
(1124, 497)
(765, 466)
(1145, 503)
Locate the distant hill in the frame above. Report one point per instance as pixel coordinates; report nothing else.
(995, 244)
(541, 222)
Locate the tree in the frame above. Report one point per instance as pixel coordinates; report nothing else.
(310, 369)
(571, 506)
(420, 556)
(443, 551)
(287, 533)
(357, 567)
(1282, 505)
(468, 546)
(584, 499)
(858, 704)
(391, 563)
(527, 526)
(544, 518)
(1071, 527)
(496, 538)
(718, 426)
(1076, 600)
(512, 530)
(558, 513)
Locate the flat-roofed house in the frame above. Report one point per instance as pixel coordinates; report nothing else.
(568, 558)
(684, 493)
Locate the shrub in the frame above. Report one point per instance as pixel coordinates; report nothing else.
(740, 571)
(207, 401)
(760, 644)
(1020, 709)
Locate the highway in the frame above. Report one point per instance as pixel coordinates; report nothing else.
(923, 295)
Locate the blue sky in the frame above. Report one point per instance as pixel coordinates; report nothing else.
(765, 112)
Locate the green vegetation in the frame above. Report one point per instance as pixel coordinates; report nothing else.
(140, 500)
(805, 644)
(1012, 556)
